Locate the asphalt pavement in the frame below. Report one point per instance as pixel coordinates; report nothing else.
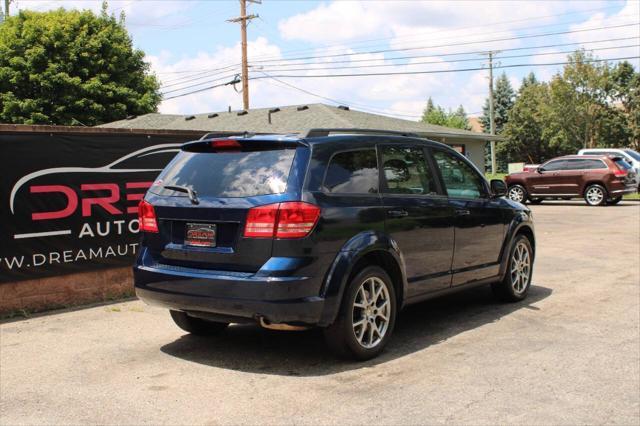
(569, 354)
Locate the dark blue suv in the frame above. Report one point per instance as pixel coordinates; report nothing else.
(338, 229)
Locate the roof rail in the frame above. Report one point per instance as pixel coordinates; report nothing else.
(320, 132)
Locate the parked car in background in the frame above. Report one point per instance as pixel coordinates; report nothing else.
(599, 179)
(629, 155)
(338, 231)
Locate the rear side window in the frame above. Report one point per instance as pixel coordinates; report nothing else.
(580, 164)
(594, 164)
(633, 154)
(228, 174)
(406, 171)
(352, 172)
(622, 165)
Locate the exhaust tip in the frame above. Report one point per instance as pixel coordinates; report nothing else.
(282, 327)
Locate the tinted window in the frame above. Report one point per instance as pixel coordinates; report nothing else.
(583, 165)
(352, 172)
(406, 171)
(459, 178)
(228, 174)
(554, 165)
(622, 165)
(633, 154)
(594, 164)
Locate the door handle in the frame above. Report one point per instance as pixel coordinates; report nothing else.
(398, 213)
(462, 212)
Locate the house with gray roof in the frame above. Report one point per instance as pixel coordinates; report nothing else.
(298, 118)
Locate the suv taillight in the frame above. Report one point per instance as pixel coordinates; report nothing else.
(620, 173)
(147, 217)
(292, 219)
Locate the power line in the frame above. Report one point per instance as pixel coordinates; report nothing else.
(193, 78)
(452, 45)
(404, 73)
(457, 29)
(341, 102)
(475, 52)
(268, 59)
(450, 61)
(393, 65)
(199, 84)
(463, 43)
(228, 83)
(441, 71)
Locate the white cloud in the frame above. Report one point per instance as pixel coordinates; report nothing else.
(215, 99)
(629, 14)
(333, 22)
(160, 13)
(340, 27)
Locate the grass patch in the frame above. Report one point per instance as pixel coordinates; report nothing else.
(635, 196)
(500, 176)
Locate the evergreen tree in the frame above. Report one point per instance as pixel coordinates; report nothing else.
(529, 79)
(503, 99)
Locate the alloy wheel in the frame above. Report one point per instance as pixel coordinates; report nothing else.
(371, 312)
(516, 194)
(595, 195)
(520, 268)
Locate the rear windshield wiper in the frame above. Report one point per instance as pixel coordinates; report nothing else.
(193, 196)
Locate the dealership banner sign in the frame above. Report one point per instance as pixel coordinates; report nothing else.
(69, 202)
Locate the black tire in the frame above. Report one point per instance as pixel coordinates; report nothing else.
(535, 200)
(614, 201)
(517, 193)
(595, 200)
(507, 290)
(341, 335)
(197, 326)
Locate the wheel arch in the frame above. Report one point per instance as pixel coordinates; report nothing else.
(367, 248)
(588, 183)
(521, 225)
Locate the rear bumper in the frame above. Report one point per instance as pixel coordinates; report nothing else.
(292, 300)
(628, 190)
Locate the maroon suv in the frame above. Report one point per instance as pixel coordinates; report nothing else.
(598, 179)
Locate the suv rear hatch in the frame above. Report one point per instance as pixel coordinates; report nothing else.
(202, 198)
(625, 170)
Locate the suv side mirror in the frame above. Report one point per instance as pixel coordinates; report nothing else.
(498, 188)
(540, 169)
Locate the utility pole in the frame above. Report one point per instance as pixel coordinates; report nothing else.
(492, 118)
(244, 19)
(6, 11)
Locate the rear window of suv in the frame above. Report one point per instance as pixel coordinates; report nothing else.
(228, 174)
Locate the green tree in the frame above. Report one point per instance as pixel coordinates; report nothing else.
(529, 79)
(625, 90)
(70, 67)
(435, 114)
(524, 129)
(588, 104)
(503, 98)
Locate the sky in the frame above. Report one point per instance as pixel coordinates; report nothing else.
(191, 47)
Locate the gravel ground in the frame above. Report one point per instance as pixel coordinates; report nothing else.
(569, 354)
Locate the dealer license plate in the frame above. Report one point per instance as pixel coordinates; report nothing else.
(200, 235)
